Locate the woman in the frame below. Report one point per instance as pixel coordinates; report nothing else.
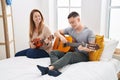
(38, 30)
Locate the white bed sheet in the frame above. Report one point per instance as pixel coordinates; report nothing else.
(23, 68)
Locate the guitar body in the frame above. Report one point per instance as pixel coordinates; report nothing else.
(59, 45)
(37, 42)
(65, 47)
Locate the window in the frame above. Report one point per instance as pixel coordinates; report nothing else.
(64, 7)
(114, 23)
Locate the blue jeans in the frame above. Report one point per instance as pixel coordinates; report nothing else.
(33, 53)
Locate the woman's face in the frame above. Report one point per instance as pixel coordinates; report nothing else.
(36, 17)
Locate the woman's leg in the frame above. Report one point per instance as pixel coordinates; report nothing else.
(22, 53)
(37, 53)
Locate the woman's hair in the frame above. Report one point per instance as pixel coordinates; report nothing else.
(32, 24)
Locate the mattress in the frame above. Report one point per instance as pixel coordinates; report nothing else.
(23, 68)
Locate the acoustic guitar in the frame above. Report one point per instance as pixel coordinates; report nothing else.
(65, 47)
(38, 42)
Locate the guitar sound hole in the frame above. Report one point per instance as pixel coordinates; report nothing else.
(65, 44)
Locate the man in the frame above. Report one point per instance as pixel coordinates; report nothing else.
(81, 34)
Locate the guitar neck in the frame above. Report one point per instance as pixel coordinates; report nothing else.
(74, 44)
(94, 46)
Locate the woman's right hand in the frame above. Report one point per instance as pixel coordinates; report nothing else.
(32, 45)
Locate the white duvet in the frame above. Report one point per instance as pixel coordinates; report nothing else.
(23, 68)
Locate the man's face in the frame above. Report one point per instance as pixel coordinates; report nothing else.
(74, 22)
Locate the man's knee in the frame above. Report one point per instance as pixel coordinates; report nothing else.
(54, 52)
(69, 54)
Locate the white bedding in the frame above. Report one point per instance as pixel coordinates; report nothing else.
(23, 68)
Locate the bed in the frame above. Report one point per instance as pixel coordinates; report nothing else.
(23, 68)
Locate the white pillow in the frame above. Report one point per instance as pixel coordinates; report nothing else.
(109, 48)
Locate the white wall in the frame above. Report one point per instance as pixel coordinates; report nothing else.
(104, 17)
(21, 12)
(52, 15)
(91, 13)
(48, 10)
(95, 14)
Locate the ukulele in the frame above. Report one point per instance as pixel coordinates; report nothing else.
(65, 47)
(39, 42)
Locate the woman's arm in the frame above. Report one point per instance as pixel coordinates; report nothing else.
(47, 34)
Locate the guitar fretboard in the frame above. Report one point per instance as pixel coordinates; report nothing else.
(94, 46)
(74, 44)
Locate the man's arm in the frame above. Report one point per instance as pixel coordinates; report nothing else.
(91, 40)
(60, 34)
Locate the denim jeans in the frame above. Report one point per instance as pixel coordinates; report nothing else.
(60, 59)
(33, 53)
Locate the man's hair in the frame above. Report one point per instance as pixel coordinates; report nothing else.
(73, 14)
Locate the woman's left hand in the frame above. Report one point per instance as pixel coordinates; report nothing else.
(47, 41)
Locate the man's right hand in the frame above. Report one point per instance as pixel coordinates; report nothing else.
(60, 35)
(63, 39)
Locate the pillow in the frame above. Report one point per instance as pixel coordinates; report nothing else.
(95, 56)
(110, 46)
